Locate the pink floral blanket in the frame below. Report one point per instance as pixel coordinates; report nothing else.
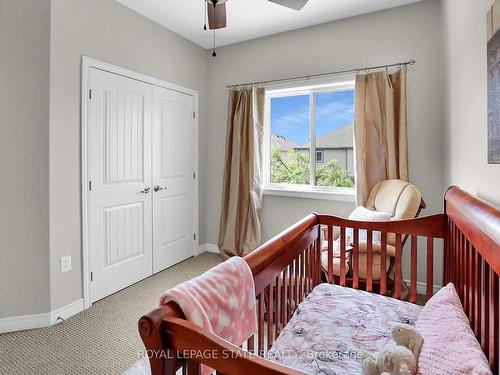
(222, 301)
(334, 326)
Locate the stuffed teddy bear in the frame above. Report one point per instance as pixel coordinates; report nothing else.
(406, 335)
(394, 360)
(398, 357)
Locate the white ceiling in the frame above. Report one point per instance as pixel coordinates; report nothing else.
(250, 19)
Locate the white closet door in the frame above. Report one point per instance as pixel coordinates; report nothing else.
(120, 172)
(173, 166)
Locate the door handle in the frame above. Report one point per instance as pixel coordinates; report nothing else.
(146, 190)
(158, 188)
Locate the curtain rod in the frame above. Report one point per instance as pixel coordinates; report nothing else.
(411, 62)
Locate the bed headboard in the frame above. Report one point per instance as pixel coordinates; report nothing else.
(472, 263)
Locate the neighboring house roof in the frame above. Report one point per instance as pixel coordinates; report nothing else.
(278, 141)
(339, 138)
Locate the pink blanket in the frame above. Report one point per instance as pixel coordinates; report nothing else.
(222, 301)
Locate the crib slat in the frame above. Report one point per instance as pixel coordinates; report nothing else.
(455, 257)
(260, 318)
(457, 267)
(463, 270)
(383, 263)
(493, 332)
(342, 256)
(270, 313)
(310, 271)
(309, 268)
(283, 299)
(447, 254)
(277, 310)
(330, 254)
(302, 276)
(251, 344)
(369, 261)
(290, 301)
(471, 282)
(477, 314)
(299, 285)
(466, 265)
(451, 249)
(459, 264)
(193, 367)
(296, 277)
(413, 276)
(307, 263)
(317, 265)
(398, 275)
(473, 288)
(355, 259)
(485, 306)
(430, 267)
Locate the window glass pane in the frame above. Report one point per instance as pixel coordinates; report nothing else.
(334, 118)
(290, 155)
(319, 156)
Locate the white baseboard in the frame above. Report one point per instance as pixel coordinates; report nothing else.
(24, 322)
(66, 312)
(209, 248)
(422, 287)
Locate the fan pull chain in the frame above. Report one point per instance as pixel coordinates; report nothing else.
(215, 4)
(205, 15)
(214, 53)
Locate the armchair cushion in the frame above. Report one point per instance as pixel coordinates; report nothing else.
(399, 198)
(364, 214)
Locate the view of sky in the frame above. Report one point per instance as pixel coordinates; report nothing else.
(290, 115)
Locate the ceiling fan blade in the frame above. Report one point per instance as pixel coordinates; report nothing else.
(293, 4)
(216, 16)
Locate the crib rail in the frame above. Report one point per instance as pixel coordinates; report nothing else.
(430, 227)
(285, 270)
(473, 250)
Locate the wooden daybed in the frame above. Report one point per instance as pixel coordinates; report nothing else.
(288, 267)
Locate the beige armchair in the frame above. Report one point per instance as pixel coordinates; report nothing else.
(400, 199)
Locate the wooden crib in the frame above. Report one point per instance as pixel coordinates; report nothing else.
(288, 267)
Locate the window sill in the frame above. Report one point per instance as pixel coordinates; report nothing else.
(334, 194)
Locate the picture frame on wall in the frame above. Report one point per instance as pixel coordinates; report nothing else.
(493, 23)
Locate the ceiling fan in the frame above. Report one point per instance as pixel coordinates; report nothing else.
(216, 13)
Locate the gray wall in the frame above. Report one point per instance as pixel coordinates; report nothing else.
(24, 156)
(108, 31)
(466, 106)
(399, 34)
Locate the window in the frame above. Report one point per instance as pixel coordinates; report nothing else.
(319, 156)
(309, 139)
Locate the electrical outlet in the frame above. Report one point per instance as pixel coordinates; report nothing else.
(66, 263)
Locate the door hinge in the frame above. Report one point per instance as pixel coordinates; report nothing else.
(90, 185)
(194, 114)
(90, 94)
(194, 236)
(92, 276)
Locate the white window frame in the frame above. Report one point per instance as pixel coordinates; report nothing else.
(304, 87)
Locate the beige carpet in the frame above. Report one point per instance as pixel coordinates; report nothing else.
(101, 340)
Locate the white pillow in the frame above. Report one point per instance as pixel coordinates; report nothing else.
(363, 214)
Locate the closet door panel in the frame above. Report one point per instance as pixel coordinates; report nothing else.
(173, 166)
(120, 168)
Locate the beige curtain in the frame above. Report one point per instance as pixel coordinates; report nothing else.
(239, 231)
(380, 130)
